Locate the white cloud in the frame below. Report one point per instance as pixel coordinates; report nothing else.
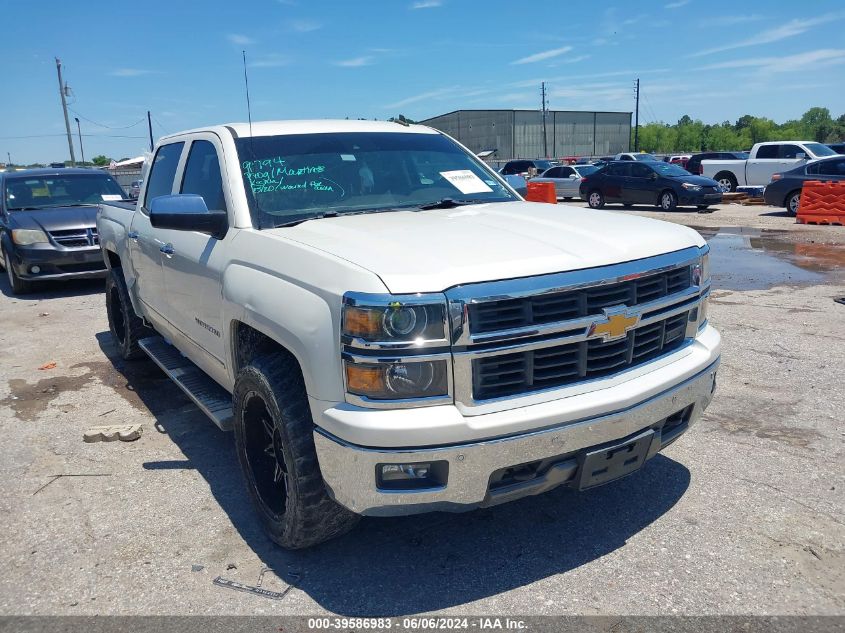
(356, 62)
(304, 26)
(730, 20)
(678, 4)
(538, 57)
(130, 72)
(240, 40)
(426, 4)
(270, 61)
(790, 29)
(810, 60)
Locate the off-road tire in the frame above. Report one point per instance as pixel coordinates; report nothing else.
(308, 516)
(125, 326)
(19, 286)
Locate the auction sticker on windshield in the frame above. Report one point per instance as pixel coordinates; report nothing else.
(465, 181)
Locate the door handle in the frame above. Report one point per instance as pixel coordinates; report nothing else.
(132, 235)
(167, 249)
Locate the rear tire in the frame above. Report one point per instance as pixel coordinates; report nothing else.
(125, 326)
(726, 180)
(668, 200)
(275, 445)
(595, 199)
(19, 286)
(792, 202)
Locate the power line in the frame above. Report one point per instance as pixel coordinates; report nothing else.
(108, 127)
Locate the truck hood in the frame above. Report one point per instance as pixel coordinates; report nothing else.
(430, 251)
(55, 218)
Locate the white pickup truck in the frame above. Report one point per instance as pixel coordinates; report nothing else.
(389, 329)
(764, 160)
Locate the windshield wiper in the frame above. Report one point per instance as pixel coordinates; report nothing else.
(447, 203)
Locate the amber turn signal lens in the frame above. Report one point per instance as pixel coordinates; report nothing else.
(363, 379)
(362, 322)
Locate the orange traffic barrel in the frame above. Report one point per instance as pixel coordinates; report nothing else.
(541, 192)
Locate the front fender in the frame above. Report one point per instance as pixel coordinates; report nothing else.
(293, 317)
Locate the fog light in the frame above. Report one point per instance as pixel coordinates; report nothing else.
(412, 476)
(35, 269)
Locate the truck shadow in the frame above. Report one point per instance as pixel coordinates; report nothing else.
(400, 566)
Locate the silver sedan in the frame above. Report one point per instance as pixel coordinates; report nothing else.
(566, 178)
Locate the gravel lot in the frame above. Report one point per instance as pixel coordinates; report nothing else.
(743, 515)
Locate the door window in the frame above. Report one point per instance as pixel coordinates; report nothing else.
(832, 168)
(202, 175)
(163, 171)
(565, 172)
(618, 169)
(790, 151)
(554, 172)
(768, 151)
(638, 170)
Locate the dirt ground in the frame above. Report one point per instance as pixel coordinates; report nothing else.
(743, 515)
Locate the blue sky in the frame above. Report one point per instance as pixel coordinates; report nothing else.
(181, 59)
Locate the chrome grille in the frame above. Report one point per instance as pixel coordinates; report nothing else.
(507, 314)
(561, 365)
(76, 238)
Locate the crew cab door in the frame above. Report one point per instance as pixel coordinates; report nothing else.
(771, 159)
(144, 242)
(193, 262)
(640, 186)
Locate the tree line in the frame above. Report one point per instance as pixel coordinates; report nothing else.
(688, 135)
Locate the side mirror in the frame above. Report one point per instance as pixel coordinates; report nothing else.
(801, 156)
(652, 176)
(187, 212)
(573, 177)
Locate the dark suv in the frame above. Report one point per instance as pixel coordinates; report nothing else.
(522, 167)
(48, 226)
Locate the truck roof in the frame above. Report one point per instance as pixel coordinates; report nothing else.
(782, 142)
(315, 126)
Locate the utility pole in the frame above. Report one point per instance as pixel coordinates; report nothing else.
(544, 104)
(150, 126)
(63, 93)
(9, 156)
(637, 120)
(79, 130)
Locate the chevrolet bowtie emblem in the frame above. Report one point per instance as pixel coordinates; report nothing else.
(616, 324)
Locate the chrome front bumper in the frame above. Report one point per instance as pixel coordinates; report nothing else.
(350, 471)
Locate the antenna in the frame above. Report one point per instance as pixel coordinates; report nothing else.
(246, 83)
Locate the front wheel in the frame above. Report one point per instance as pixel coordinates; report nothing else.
(668, 201)
(275, 445)
(19, 286)
(595, 200)
(793, 200)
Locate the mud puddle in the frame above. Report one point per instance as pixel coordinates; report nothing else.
(753, 259)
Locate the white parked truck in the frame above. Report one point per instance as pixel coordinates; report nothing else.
(764, 160)
(390, 329)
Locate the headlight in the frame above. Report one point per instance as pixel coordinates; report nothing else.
(394, 321)
(397, 380)
(701, 270)
(25, 237)
(690, 187)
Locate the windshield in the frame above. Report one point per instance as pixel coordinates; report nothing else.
(819, 150)
(670, 169)
(543, 165)
(40, 192)
(290, 178)
(646, 157)
(585, 170)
